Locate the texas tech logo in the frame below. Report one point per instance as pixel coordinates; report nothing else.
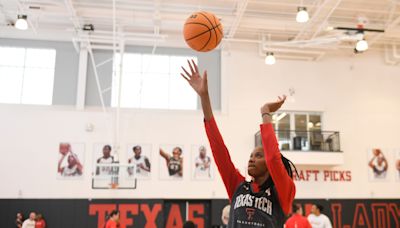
(249, 201)
(250, 213)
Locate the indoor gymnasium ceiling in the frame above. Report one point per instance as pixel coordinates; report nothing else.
(268, 23)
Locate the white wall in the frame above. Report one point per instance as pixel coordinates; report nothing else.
(359, 97)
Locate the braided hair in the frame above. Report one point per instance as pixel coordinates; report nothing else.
(289, 166)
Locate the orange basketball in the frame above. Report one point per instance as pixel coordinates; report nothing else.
(202, 31)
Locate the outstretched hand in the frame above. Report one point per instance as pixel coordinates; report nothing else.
(273, 106)
(198, 83)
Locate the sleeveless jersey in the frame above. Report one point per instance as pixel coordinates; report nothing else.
(174, 166)
(140, 161)
(68, 172)
(255, 209)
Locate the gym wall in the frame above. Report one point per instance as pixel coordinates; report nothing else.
(360, 98)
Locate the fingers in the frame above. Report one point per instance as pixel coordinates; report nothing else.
(282, 99)
(187, 79)
(187, 73)
(195, 66)
(191, 68)
(205, 76)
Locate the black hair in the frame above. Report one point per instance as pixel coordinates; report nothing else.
(180, 149)
(320, 207)
(107, 146)
(136, 147)
(289, 166)
(189, 224)
(114, 212)
(295, 208)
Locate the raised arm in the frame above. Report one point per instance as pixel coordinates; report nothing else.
(200, 85)
(78, 164)
(164, 155)
(371, 162)
(230, 175)
(60, 169)
(283, 182)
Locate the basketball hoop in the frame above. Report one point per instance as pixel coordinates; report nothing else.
(114, 185)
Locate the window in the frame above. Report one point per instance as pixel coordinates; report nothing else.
(298, 130)
(26, 75)
(152, 81)
(302, 131)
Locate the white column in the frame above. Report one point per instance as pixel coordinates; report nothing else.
(82, 77)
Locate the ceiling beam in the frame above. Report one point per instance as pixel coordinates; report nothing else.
(315, 18)
(240, 10)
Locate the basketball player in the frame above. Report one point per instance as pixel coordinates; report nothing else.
(297, 220)
(113, 221)
(265, 200)
(142, 163)
(398, 167)
(202, 163)
(317, 219)
(74, 167)
(174, 162)
(380, 166)
(106, 159)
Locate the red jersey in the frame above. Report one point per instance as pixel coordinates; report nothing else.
(248, 206)
(40, 224)
(111, 224)
(297, 221)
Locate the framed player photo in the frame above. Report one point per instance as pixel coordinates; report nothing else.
(139, 156)
(397, 164)
(377, 165)
(70, 160)
(201, 163)
(171, 162)
(103, 154)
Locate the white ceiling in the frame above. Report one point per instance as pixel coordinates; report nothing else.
(247, 21)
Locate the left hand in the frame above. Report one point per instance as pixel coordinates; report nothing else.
(273, 106)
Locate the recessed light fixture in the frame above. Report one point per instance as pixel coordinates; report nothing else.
(302, 15)
(21, 22)
(270, 58)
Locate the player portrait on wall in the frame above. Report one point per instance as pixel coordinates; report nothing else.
(106, 169)
(70, 160)
(103, 154)
(171, 163)
(138, 156)
(202, 166)
(397, 164)
(378, 164)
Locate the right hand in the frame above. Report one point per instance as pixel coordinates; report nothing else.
(273, 106)
(198, 83)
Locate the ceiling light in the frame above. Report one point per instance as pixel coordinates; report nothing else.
(361, 45)
(21, 22)
(270, 58)
(302, 15)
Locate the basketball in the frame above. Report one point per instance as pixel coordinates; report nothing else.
(377, 152)
(203, 31)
